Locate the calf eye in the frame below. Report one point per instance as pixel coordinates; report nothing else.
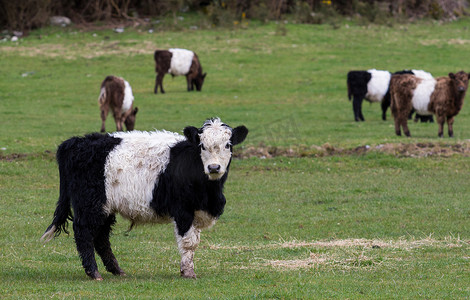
(227, 146)
(202, 147)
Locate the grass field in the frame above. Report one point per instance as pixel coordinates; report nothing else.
(333, 216)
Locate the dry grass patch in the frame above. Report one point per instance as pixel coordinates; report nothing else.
(342, 254)
(85, 50)
(399, 150)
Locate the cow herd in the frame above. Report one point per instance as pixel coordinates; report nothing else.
(166, 177)
(116, 93)
(407, 92)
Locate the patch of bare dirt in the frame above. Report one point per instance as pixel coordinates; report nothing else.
(399, 150)
(22, 156)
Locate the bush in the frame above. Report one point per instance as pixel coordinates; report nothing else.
(30, 14)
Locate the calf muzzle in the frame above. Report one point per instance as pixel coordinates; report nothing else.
(213, 169)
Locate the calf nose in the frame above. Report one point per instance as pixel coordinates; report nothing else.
(461, 89)
(213, 168)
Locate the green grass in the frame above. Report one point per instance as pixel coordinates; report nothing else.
(339, 226)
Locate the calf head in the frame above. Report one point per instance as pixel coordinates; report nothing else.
(459, 81)
(215, 141)
(130, 120)
(199, 81)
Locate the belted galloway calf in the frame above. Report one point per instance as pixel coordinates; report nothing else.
(147, 177)
(116, 94)
(442, 96)
(178, 62)
(371, 85)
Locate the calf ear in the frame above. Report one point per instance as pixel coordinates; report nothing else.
(238, 135)
(192, 134)
(451, 75)
(136, 110)
(204, 75)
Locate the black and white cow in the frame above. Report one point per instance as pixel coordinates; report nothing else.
(178, 62)
(147, 177)
(371, 85)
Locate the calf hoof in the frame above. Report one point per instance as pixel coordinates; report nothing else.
(188, 274)
(95, 276)
(119, 273)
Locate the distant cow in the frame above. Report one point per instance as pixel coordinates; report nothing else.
(116, 94)
(147, 177)
(371, 85)
(442, 96)
(386, 101)
(178, 62)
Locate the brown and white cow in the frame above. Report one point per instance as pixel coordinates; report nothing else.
(116, 94)
(178, 62)
(442, 96)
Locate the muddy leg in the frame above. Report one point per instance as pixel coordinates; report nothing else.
(187, 244)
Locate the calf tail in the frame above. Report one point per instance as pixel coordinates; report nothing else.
(62, 214)
(102, 97)
(63, 211)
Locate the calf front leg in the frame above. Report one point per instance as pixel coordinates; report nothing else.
(450, 127)
(440, 121)
(189, 82)
(187, 244)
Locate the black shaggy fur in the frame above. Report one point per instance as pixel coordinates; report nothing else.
(81, 163)
(184, 188)
(181, 189)
(357, 88)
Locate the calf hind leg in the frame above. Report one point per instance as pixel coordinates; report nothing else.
(357, 108)
(159, 82)
(103, 247)
(84, 241)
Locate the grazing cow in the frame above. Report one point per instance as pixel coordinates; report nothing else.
(371, 85)
(442, 96)
(116, 94)
(147, 177)
(178, 62)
